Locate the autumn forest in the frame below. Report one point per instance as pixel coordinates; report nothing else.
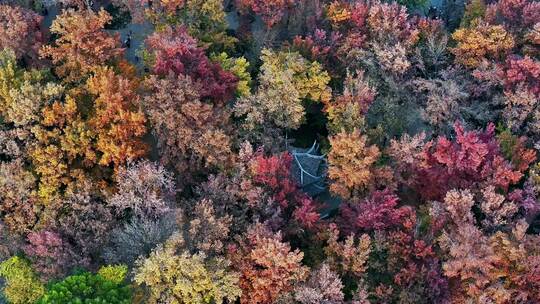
(269, 151)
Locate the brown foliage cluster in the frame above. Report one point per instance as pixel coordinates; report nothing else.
(192, 134)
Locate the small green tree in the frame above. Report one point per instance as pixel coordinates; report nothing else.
(90, 288)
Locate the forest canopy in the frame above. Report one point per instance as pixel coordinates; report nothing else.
(269, 151)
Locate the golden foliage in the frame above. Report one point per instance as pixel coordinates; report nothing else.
(338, 12)
(347, 111)
(286, 78)
(114, 273)
(62, 138)
(22, 284)
(22, 92)
(186, 278)
(351, 163)
(481, 42)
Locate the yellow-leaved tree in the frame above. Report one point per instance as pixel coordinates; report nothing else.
(352, 165)
(481, 42)
(286, 79)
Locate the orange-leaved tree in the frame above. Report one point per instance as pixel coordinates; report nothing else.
(117, 120)
(352, 165)
(82, 43)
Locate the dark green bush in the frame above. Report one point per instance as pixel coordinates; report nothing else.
(86, 288)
